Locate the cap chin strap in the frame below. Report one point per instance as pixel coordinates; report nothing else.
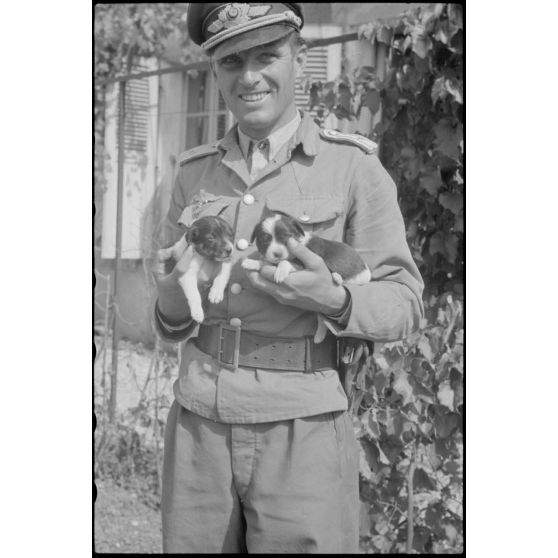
(287, 16)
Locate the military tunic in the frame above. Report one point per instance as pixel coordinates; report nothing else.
(337, 189)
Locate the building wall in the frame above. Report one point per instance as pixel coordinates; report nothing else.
(135, 296)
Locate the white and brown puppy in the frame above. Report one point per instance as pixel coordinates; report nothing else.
(271, 235)
(205, 250)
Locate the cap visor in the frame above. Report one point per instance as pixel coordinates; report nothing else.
(251, 39)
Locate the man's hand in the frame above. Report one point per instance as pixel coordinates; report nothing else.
(311, 288)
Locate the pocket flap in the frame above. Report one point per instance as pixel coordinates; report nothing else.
(308, 210)
(201, 209)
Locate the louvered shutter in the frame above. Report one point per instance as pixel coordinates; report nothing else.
(317, 69)
(140, 128)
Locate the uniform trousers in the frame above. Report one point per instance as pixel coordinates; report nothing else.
(289, 486)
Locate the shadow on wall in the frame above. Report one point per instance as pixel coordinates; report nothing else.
(137, 286)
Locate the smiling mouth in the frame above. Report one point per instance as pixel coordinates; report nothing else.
(254, 97)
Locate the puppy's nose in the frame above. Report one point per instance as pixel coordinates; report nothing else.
(277, 253)
(228, 250)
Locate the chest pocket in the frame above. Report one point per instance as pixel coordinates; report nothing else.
(325, 215)
(217, 205)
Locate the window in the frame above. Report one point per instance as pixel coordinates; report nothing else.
(207, 117)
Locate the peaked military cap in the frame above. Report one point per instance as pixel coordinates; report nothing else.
(221, 29)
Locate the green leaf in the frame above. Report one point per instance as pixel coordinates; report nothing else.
(402, 386)
(455, 88)
(452, 467)
(448, 138)
(451, 201)
(455, 15)
(421, 392)
(374, 426)
(364, 467)
(421, 46)
(451, 245)
(451, 532)
(391, 447)
(394, 424)
(374, 454)
(435, 451)
(446, 395)
(431, 182)
(439, 92)
(446, 425)
(372, 100)
(421, 480)
(379, 381)
(433, 516)
(425, 348)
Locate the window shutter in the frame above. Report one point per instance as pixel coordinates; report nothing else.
(140, 128)
(317, 69)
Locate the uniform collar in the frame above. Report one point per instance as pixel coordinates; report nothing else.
(307, 134)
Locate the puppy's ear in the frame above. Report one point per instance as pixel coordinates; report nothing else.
(255, 232)
(298, 228)
(192, 235)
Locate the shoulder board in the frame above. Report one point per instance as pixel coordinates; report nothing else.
(368, 146)
(196, 153)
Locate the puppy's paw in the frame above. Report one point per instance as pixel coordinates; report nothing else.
(321, 331)
(215, 295)
(197, 314)
(283, 270)
(337, 279)
(251, 265)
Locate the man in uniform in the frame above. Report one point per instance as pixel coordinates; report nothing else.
(260, 453)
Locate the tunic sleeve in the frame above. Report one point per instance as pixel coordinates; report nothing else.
(389, 307)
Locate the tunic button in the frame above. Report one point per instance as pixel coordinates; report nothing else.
(248, 199)
(235, 322)
(242, 244)
(304, 218)
(236, 288)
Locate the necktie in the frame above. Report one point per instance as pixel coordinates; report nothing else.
(258, 160)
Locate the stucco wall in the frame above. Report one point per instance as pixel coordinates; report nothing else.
(134, 304)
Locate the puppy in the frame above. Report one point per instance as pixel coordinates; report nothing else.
(271, 234)
(207, 247)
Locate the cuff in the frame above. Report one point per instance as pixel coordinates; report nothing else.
(171, 330)
(342, 317)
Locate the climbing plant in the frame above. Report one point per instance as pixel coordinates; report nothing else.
(420, 132)
(407, 398)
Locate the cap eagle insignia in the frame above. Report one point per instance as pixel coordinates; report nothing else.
(237, 14)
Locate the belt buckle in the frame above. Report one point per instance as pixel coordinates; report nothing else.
(236, 350)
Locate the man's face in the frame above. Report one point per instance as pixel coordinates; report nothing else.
(258, 85)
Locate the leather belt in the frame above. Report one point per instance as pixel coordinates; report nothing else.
(233, 347)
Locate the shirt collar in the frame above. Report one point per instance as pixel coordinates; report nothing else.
(276, 140)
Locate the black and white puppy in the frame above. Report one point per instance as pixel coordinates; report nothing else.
(207, 247)
(271, 235)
